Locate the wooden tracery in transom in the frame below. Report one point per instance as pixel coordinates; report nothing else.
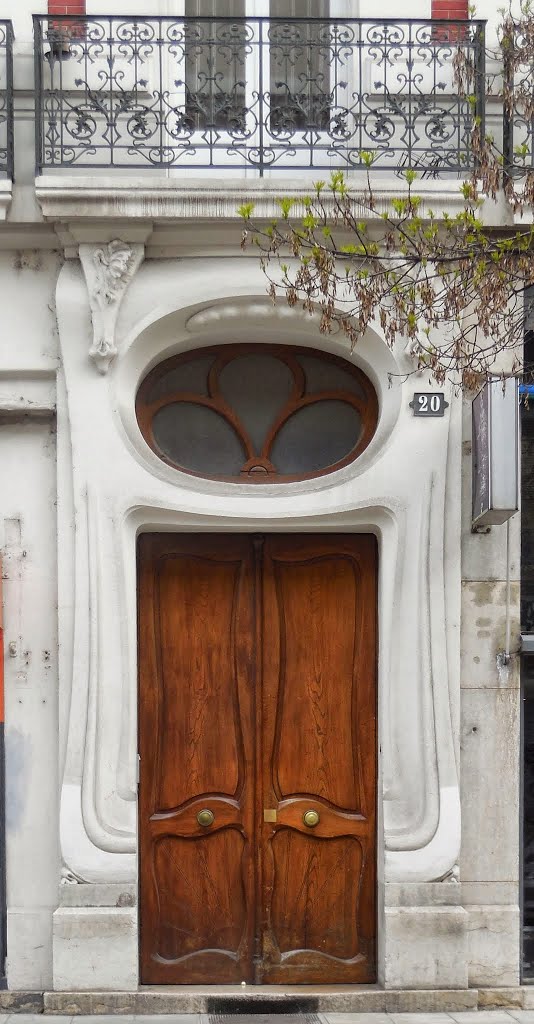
(333, 417)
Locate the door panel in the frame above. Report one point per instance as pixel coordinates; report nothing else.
(257, 702)
(193, 908)
(314, 738)
(319, 729)
(196, 690)
(195, 613)
(311, 910)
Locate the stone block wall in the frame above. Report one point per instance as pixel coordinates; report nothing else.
(489, 745)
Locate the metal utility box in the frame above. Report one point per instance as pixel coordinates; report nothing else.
(495, 453)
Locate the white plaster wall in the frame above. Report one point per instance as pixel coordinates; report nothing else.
(28, 356)
(28, 329)
(27, 509)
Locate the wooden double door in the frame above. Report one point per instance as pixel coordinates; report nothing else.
(257, 724)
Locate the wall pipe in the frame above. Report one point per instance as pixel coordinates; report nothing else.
(508, 622)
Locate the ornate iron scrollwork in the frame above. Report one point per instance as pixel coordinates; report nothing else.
(258, 92)
(6, 98)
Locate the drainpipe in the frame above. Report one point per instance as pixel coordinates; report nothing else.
(507, 654)
(3, 893)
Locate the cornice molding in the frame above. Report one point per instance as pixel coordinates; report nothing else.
(27, 393)
(76, 199)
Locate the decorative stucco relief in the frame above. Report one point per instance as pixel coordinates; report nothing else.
(225, 314)
(403, 492)
(232, 312)
(108, 271)
(68, 877)
(91, 835)
(424, 844)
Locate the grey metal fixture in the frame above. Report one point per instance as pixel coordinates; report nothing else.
(495, 453)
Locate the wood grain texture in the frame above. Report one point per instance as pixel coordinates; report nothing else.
(315, 901)
(194, 910)
(196, 675)
(197, 682)
(315, 741)
(257, 675)
(319, 741)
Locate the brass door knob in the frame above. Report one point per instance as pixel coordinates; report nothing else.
(205, 817)
(311, 819)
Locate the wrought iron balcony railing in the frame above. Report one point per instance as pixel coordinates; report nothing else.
(518, 117)
(257, 93)
(6, 99)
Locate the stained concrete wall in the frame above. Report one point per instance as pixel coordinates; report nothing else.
(489, 744)
(28, 546)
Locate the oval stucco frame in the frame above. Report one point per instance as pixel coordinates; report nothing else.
(404, 489)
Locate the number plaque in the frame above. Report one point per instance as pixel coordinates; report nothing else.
(429, 403)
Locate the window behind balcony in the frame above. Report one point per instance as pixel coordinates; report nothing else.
(299, 67)
(215, 65)
(230, 63)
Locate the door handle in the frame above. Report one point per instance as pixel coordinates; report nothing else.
(311, 818)
(205, 817)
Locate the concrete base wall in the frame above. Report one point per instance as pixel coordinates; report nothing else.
(95, 942)
(426, 947)
(493, 945)
(95, 946)
(424, 941)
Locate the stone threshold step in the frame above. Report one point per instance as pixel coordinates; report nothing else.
(260, 999)
(267, 998)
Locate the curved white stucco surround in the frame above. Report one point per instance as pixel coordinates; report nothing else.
(405, 488)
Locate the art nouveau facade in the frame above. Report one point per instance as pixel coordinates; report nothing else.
(105, 273)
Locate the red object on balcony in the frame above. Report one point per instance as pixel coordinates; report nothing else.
(452, 10)
(65, 31)
(66, 6)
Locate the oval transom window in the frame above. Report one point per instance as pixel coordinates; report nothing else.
(258, 413)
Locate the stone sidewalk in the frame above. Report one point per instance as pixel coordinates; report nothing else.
(466, 1017)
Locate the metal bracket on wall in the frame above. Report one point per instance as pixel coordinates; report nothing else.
(527, 643)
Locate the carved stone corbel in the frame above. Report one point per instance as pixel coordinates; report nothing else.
(108, 270)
